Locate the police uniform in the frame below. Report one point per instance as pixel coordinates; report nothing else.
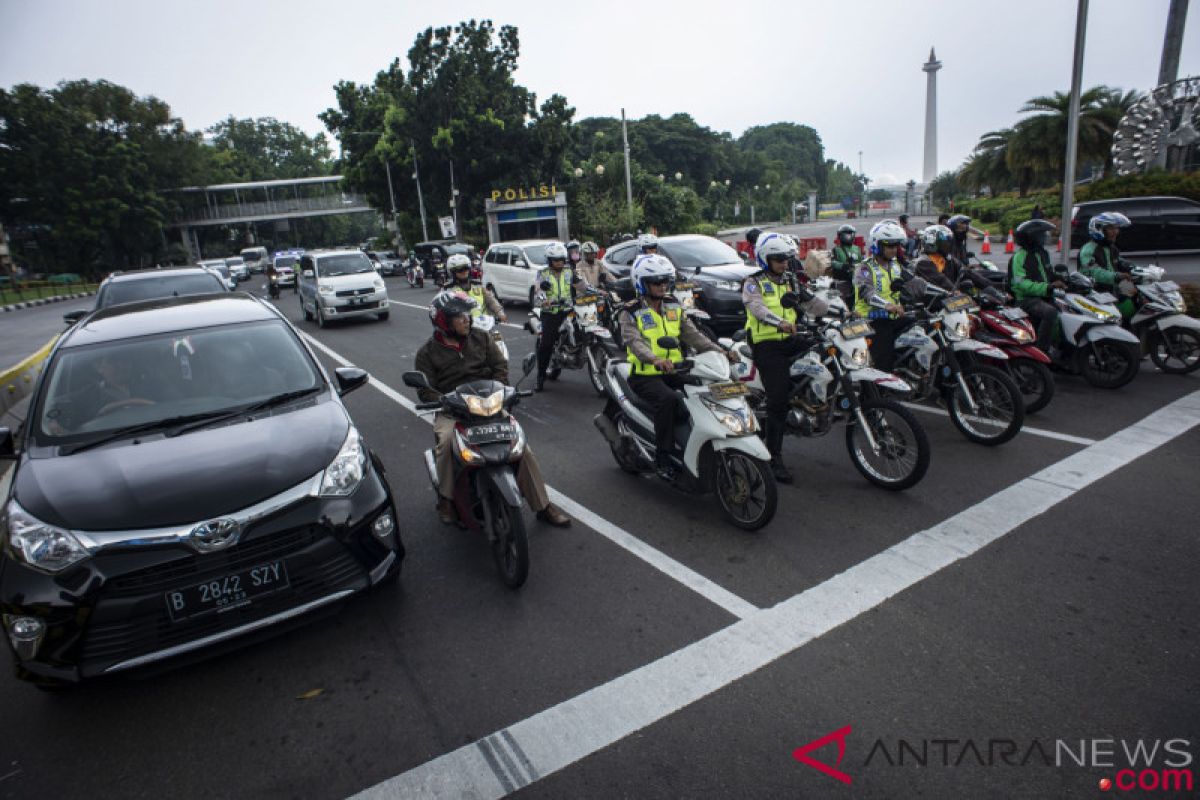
(485, 301)
(884, 280)
(557, 300)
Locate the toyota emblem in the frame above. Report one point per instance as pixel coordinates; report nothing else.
(215, 534)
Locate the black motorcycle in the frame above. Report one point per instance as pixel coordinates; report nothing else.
(488, 446)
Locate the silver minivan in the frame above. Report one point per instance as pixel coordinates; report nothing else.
(336, 284)
(510, 269)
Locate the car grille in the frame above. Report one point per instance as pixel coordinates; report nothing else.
(354, 292)
(131, 619)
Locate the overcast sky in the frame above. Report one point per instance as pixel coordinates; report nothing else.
(850, 69)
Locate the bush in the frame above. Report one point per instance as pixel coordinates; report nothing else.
(704, 228)
(1174, 184)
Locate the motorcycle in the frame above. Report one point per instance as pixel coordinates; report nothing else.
(488, 446)
(887, 444)
(1008, 328)
(583, 340)
(937, 355)
(488, 324)
(1091, 340)
(416, 276)
(441, 276)
(273, 286)
(1161, 324)
(715, 449)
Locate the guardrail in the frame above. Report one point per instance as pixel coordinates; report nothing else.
(16, 383)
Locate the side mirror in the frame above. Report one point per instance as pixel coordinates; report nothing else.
(7, 448)
(308, 273)
(71, 317)
(349, 379)
(668, 342)
(790, 300)
(519, 263)
(739, 335)
(1061, 270)
(697, 271)
(544, 286)
(528, 363)
(416, 380)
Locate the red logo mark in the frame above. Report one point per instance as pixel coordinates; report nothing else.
(801, 754)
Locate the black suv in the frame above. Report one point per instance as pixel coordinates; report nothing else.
(187, 476)
(148, 284)
(1160, 224)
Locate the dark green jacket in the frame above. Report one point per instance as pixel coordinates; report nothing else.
(1029, 274)
(843, 260)
(1101, 261)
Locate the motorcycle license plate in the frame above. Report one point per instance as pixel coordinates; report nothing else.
(856, 329)
(1103, 298)
(724, 391)
(958, 302)
(234, 590)
(496, 432)
(1013, 313)
(587, 299)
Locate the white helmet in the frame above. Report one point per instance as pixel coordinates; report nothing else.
(556, 250)
(647, 240)
(590, 247)
(930, 236)
(886, 231)
(458, 261)
(772, 244)
(650, 267)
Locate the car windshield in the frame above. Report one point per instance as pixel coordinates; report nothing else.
(349, 264)
(536, 253)
(687, 254)
(285, 261)
(95, 390)
(235, 262)
(160, 286)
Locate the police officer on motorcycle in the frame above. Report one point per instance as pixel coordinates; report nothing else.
(880, 276)
(645, 320)
(1031, 279)
(593, 272)
(772, 332)
(460, 279)
(558, 284)
(648, 244)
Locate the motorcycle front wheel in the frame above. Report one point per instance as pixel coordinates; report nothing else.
(903, 455)
(510, 546)
(596, 361)
(746, 489)
(999, 410)
(1036, 382)
(1108, 363)
(1176, 350)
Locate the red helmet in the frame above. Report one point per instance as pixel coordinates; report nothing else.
(446, 306)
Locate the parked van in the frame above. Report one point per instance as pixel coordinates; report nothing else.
(256, 259)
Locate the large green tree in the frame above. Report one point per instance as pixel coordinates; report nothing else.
(267, 149)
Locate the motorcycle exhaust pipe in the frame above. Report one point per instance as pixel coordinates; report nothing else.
(606, 427)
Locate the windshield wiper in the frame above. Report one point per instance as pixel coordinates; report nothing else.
(259, 405)
(129, 430)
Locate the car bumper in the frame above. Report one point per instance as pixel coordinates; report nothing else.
(342, 307)
(725, 309)
(110, 614)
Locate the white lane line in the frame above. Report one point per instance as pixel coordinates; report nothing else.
(426, 310)
(1062, 437)
(714, 593)
(574, 729)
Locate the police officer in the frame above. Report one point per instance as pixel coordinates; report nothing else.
(653, 315)
(460, 276)
(591, 271)
(880, 276)
(558, 284)
(771, 330)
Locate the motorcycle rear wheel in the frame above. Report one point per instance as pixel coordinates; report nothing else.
(904, 446)
(510, 547)
(1001, 411)
(1176, 350)
(746, 489)
(1121, 361)
(1036, 382)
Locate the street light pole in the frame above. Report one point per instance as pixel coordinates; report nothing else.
(420, 196)
(1068, 195)
(628, 179)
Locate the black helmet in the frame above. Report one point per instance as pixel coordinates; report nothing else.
(446, 306)
(952, 224)
(1033, 232)
(752, 235)
(846, 233)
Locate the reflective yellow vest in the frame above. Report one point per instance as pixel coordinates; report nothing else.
(882, 277)
(479, 295)
(653, 326)
(559, 293)
(772, 295)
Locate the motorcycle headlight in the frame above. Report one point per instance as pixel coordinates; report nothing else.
(859, 357)
(1019, 334)
(46, 548)
(348, 468)
(739, 422)
(958, 331)
(485, 406)
(1177, 302)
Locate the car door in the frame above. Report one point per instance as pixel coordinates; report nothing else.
(1181, 223)
(495, 272)
(1147, 233)
(307, 280)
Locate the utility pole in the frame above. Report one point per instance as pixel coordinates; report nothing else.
(628, 179)
(1068, 195)
(454, 201)
(392, 195)
(420, 197)
(1168, 70)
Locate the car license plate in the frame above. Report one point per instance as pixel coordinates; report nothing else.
(723, 391)
(496, 432)
(958, 302)
(856, 329)
(227, 592)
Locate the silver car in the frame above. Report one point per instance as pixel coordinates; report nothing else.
(336, 284)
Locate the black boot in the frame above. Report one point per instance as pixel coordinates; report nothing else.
(541, 382)
(664, 468)
(775, 448)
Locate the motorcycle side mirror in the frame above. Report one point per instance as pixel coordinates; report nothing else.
(416, 380)
(1061, 270)
(668, 342)
(790, 300)
(349, 379)
(528, 363)
(697, 271)
(544, 286)
(739, 335)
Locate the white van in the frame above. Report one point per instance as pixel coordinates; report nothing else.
(510, 269)
(256, 259)
(335, 284)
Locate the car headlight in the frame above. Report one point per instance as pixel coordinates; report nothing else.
(46, 548)
(732, 286)
(379, 285)
(485, 406)
(325, 289)
(346, 471)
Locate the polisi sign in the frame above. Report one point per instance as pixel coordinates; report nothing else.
(511, 195)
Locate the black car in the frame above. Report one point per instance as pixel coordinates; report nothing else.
(713, 266)
(148, 284)
(187, 476)
(1160, 224)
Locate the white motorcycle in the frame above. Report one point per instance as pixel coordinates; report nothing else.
(1170, 336)
(583, 340)
(1092, 341)
(716, 446)
(488, 324)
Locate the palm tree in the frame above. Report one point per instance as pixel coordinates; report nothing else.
(988, 165)
(1038, 148)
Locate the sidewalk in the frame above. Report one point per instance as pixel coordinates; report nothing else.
(41, 301)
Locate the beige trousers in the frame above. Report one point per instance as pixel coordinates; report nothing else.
(529, 475)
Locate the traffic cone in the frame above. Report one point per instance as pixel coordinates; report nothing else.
(1010, 246)
(1058, 247)
(987, 244)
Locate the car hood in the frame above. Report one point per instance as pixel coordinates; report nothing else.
(190, 478)
(359, 280)
(723, 272)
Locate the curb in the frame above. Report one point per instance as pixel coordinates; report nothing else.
(58, 298)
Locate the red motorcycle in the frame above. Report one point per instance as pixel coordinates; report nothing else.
(1009, 329)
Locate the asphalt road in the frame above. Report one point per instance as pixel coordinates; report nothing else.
(1041, 591)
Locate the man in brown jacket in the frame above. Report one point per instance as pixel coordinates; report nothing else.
(458, 354)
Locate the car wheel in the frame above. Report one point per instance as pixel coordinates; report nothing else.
(532, 296)
(321, 321)
(304, 308)
(383, 315)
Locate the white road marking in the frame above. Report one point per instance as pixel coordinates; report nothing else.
(576, 728)
(693, 580)
(1062, 437)
(426, 310)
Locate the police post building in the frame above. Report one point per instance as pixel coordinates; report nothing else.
(526, 212)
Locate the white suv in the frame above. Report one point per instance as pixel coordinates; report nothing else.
(510, 269)
(335, 284)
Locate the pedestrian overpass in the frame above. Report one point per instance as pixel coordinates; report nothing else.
(261, 201)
